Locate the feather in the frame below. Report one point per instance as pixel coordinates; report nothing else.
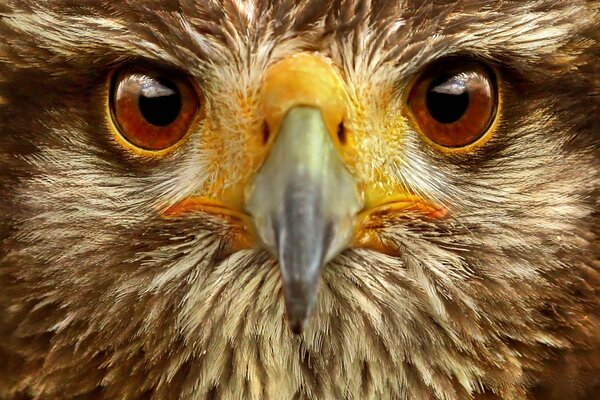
(101, 297)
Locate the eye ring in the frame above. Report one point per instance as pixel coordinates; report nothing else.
(455, 108)
(152, 110)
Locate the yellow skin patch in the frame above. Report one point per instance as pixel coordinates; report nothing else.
(308, 80)
(242, 235)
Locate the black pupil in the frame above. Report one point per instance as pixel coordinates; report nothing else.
(160, 102)
(447, 99)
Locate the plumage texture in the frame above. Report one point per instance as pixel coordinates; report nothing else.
(102, 298)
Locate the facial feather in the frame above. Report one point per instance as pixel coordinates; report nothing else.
(102, 297)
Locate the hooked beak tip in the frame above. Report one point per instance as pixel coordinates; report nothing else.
(299, 308)
(296, 326)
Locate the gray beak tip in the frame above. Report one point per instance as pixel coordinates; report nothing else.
(299, 299)
(296, 325)
(299, 307)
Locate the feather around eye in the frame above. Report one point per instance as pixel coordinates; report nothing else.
(455, 108)
(152, 110)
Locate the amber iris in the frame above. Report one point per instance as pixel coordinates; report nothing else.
(153, 110)
(455, 107)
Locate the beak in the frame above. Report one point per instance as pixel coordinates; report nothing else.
(304, 202)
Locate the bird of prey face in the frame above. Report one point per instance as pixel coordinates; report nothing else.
(251, 199)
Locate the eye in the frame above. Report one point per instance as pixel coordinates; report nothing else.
(455, 107)
(153, 110)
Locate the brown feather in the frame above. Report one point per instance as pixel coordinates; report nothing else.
(101, 298)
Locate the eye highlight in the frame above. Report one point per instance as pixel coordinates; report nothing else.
(152, 109)
(455, 107)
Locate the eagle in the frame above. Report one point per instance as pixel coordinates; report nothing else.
(300, 199)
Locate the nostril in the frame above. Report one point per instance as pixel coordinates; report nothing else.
(341, 133)
(266, 132)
